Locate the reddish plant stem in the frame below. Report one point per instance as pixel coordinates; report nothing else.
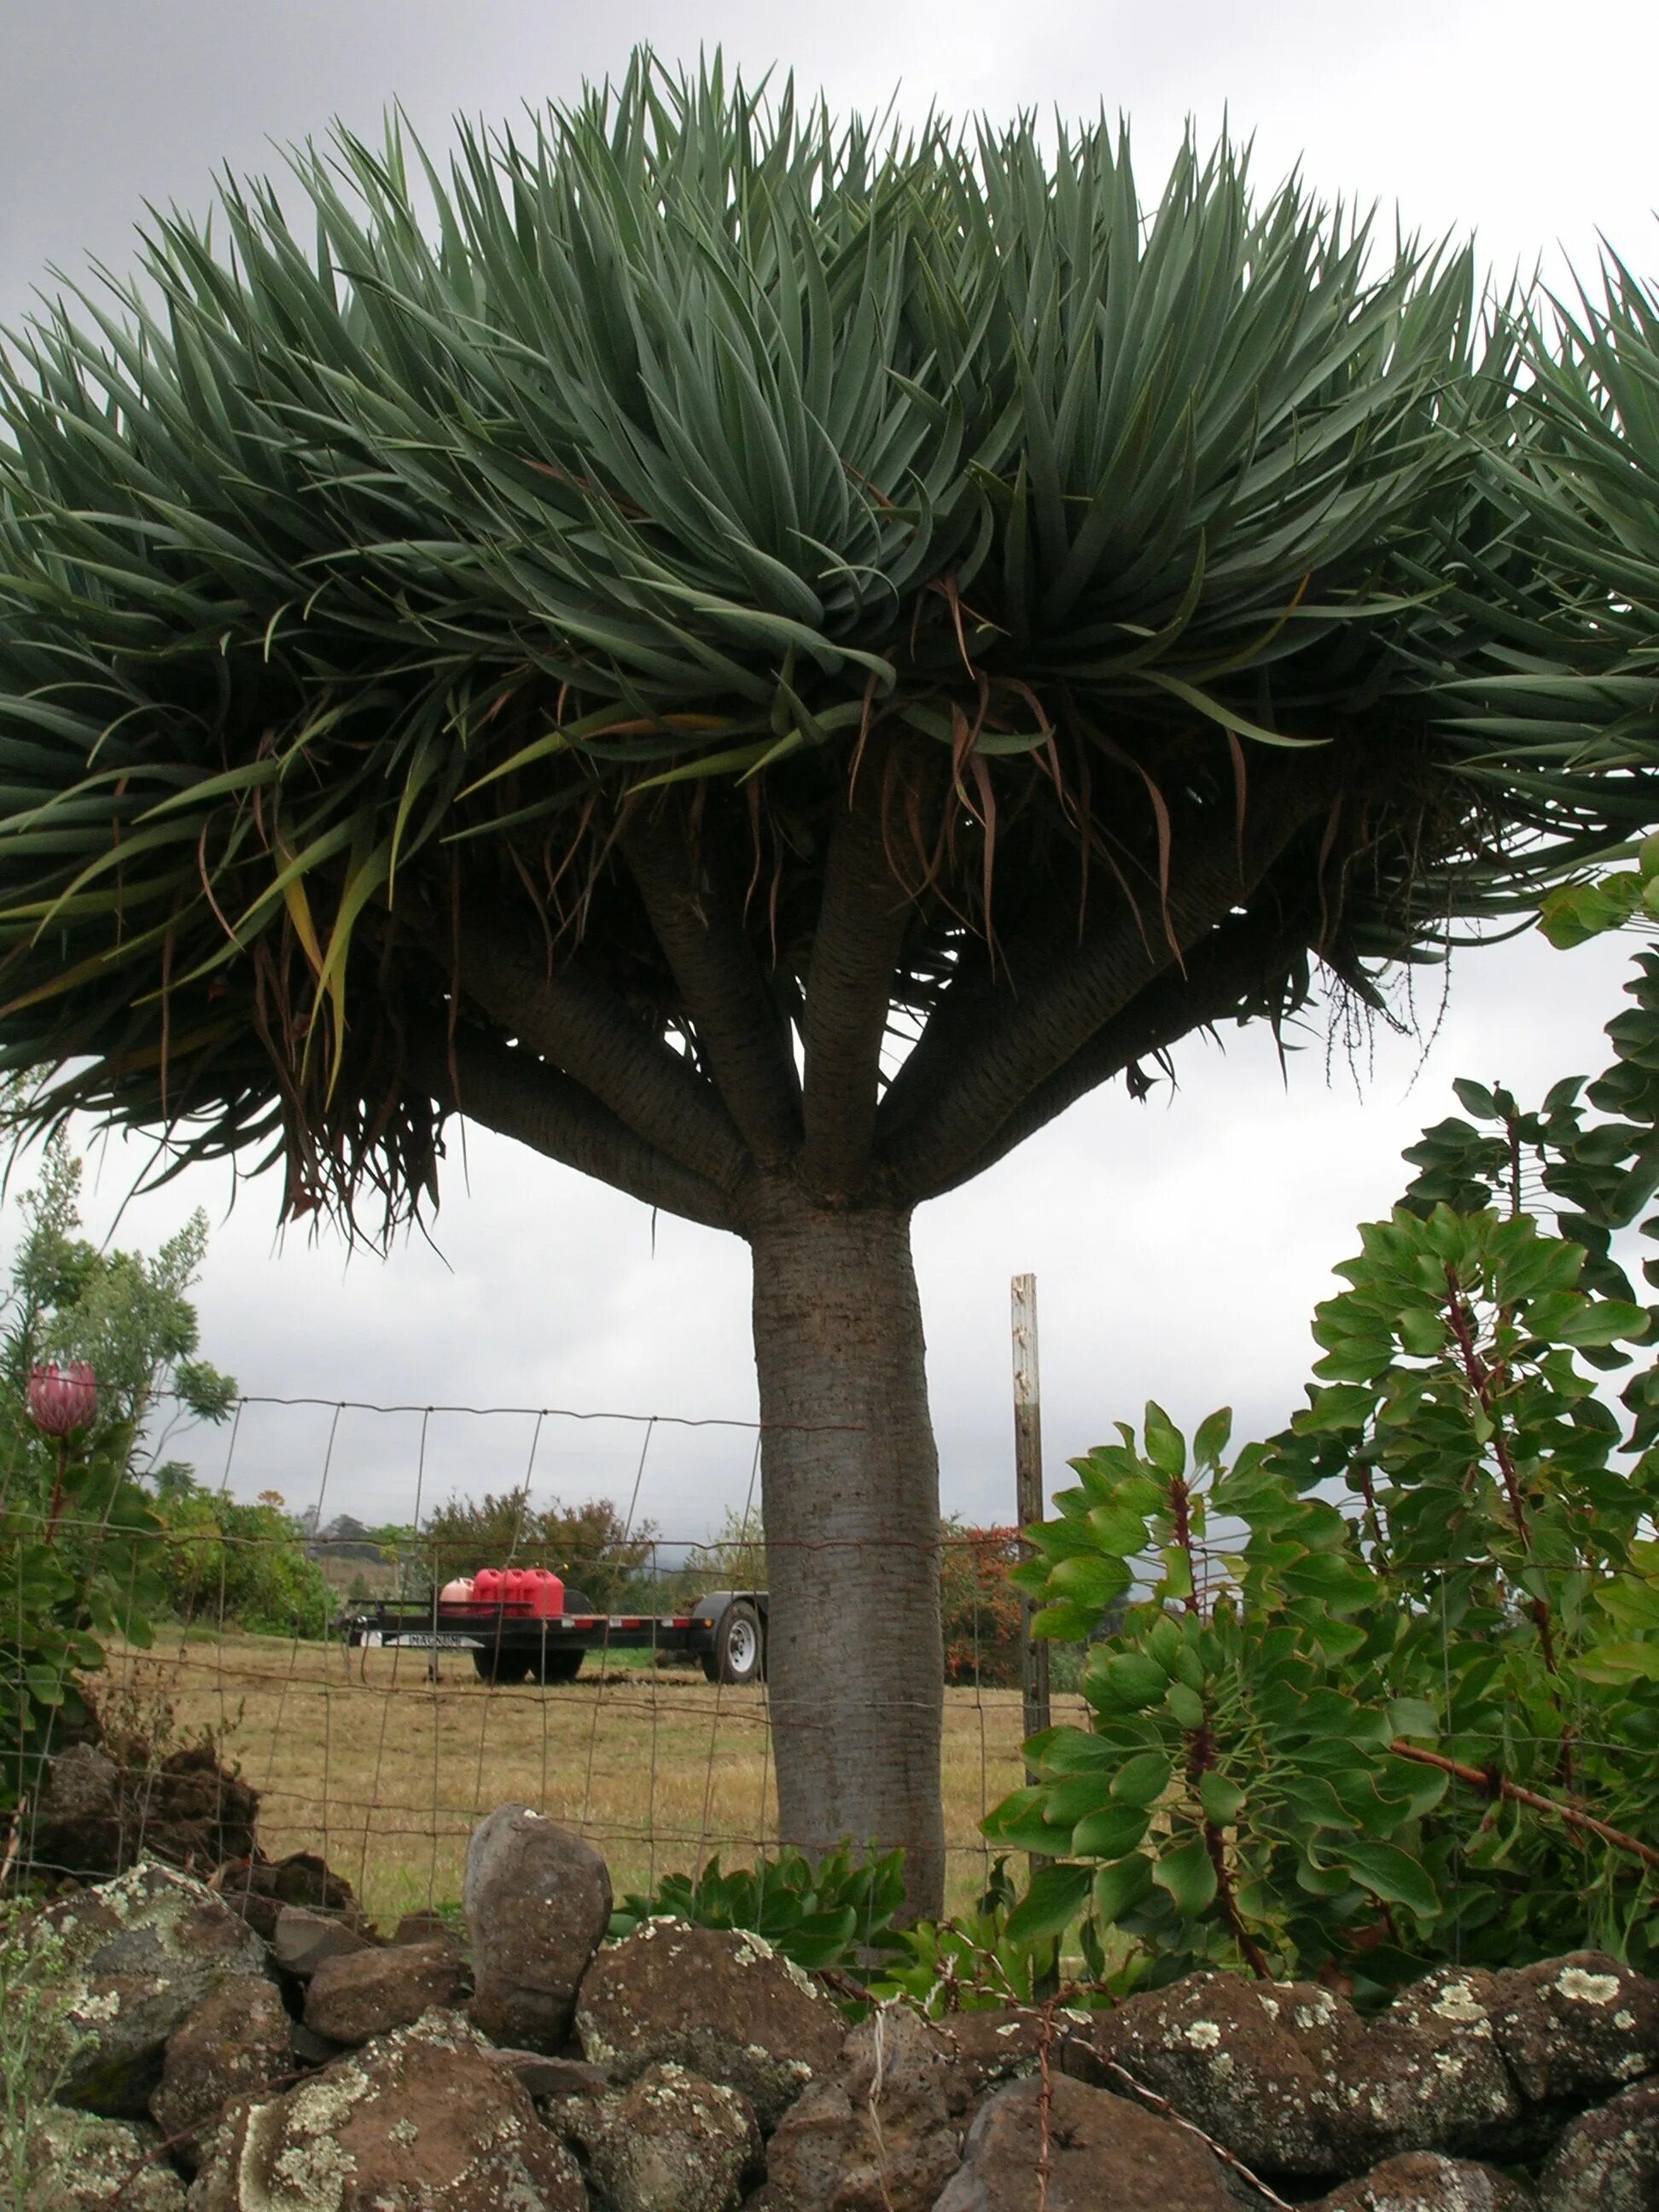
(1201, 1759)
(1181, 1514)
(1045, 2106)
(1481, 1382)
(1200, 1752)
(1497, 1785)
(1368, 1492)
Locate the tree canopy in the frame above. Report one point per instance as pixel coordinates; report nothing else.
(398, 571)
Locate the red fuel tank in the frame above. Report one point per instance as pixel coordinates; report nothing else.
(534, 1590)
(534, 1593)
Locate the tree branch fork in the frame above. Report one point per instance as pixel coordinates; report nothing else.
(758, 1105)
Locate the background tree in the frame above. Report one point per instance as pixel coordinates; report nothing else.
(735, 1558)
(590, 1545)
(230, 1564)
(763, 663)
(980, 1613)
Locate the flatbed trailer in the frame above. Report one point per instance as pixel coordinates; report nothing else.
(723, 1631)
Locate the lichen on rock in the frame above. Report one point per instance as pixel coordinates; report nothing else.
(140, 1954)
(420, 2121)
(721, 2003)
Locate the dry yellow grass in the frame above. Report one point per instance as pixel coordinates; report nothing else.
(359, 1756)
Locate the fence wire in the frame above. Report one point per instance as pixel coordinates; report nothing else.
(380, 1758)
(243, 1731)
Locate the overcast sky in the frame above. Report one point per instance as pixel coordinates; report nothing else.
(1179, 1246)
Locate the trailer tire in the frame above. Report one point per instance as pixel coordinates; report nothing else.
(577, 1600)
(560, 1666)
(499, 1666)
(739, 1654)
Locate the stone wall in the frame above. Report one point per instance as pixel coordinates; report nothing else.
(253, 2045)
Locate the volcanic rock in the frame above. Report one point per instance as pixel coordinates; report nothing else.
(885, 2131)
(670, 2143)
(301, 1940)
(1424, 2181)
(1102, 2153)
(80, 2164)
(721, 2004)
(1609, 2160)
(537, 1904)
(236, 2041)
(423, 2121)
(354, 1995)
(140, 1953)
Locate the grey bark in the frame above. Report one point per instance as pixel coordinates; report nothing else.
(850, 1491)
(695, 915)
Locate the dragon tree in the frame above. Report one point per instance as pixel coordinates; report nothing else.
(762, 659)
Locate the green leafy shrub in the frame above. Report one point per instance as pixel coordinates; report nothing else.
(77, 1565)
(1002, 1953)
(1423, 1723)
(823, 1914)
(240, 1565)
(80, 1538)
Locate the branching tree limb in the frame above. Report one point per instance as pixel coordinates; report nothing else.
(509, 1090)
(1003, 1029)
(856, 949)
(1225, 973)
(566, 1016)
(695, 917)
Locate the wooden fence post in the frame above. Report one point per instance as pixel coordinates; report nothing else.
(1028, 1491)
(1030, 1504)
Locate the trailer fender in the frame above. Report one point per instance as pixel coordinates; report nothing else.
(734, 1624)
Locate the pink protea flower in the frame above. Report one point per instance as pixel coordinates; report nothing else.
(61, 1401)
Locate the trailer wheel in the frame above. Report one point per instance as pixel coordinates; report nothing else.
(739, 1652)
(577, 1600)
(560, 1666)
(494, 1665)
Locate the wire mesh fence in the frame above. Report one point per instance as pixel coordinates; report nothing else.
(304, 1649)
(313, 1683)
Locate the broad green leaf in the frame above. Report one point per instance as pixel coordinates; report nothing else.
(1569, 1318)
(1392, 1874)
(1109, 1834)
(1211, 1440)
(1134, 1680)
(1056, 1896)
(1222, 1801)
(1166, 1448)
(1118, 1889)
(1185, 1707)
(1186, 1872)
(1143, 1779)
(1475, 1098)
(1019, 1822)
(1117, 1530)
(1410, 1717)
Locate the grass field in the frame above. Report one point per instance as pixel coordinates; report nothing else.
(359, 1756)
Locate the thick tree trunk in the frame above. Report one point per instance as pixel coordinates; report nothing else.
(851, 1498)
